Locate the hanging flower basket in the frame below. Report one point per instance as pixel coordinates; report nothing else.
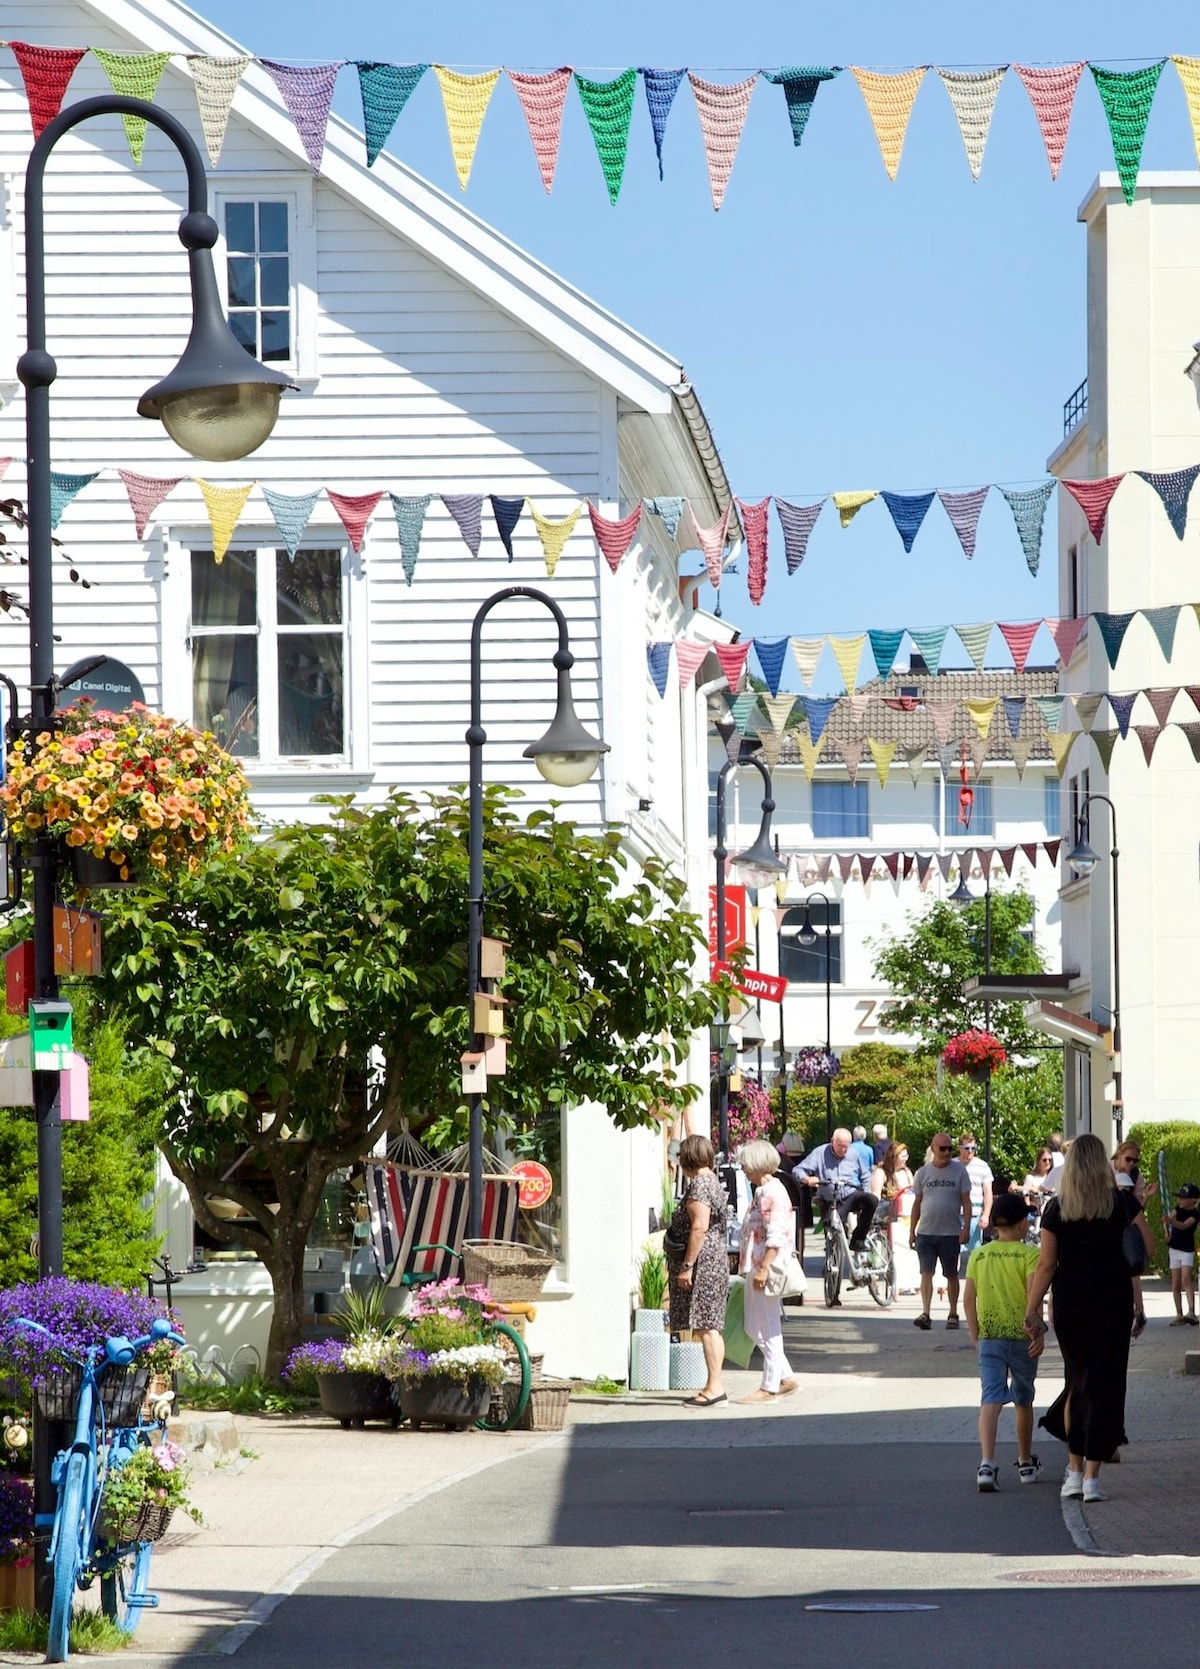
(814, 1065)
(974, 1053)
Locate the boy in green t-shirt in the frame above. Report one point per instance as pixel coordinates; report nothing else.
(995, 1305)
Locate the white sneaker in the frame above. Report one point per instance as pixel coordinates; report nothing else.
(1072, 1487)
(987, 1479)
(1093, 1490)
(1027, 1470)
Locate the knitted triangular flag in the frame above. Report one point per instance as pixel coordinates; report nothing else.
(1094, 498)
(885, 646)
(1020, 750)
(779, 709)
(771, 654)
(1086, 708)
(889, 102)
(810, 752)
(908, 512)
(1162, 623)
(1014, 712)
(979, 753)
(354, 512)
(658, 660)
(929, 645)
(851, 756)
(145, 495)
(688, 657)
(824, 863)
(542, 98)
(216, 81)
(465, 99)
(225, 505)
(800, 87)
(797, 522)
(1147, 735)
(944, 860)
(712, 542)
(1051, 849)
(1193, 691)
(307, 91)
(972, 96)
(1105, 741)
(45, 70)
(915, 758)
(1188, 70)
(1051, 90)
(1192, 732)
(845, 863)
(744, 709)
(975, 640)
(661, 87)
(291, 515)
(1122, 710)
(1060, 747)
(608, 106)
(1127, 96)
(816, 709)
(754, 525)
(963, 510)
(1173, 488)
(467, 510)
(410, 519)
(507, 513)
(1007, 856)
(1019, 639)
(847, 652)
(1066, 634)
(722, 113)
(731, 657)
(668, 510)
(385, 90)
(1050, 707)
(134, 75)
(866, 866)
(806, 652)
(857, 706)
(849, 504)
(769, 745)
(941, 717)
(63, 488)
(554, 534)
(924, 865)
(1112, 629)
(1029, 512)
(1162, 702)
(614, 537)
(881, 753)
(982, 709)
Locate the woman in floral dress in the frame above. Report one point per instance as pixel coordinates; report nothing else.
(699, 1280)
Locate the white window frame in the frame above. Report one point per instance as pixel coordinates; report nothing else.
(296, 190)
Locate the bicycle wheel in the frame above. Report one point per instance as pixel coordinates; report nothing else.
(123, 1587)
(833, 1268)
(509, 1400)
(881, 1269)
(72, 1532)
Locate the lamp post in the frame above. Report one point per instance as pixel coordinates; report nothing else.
(807, 936)
(1083, 860)
(218, 403)
(758, 867)
(566, 756)
(962, 896)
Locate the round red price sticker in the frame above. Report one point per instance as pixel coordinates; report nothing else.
(537, 1184)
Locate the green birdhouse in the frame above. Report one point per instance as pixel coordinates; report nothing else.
(51, 1037)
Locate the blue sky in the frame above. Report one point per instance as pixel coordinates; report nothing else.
(842, 331)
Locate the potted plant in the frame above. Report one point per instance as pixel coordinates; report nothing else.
(442, 1362)
(16, 1541)
(975, 1053)
(749, 1113)
(133, 796)
(814, 1065)
(652, 1286)
(75, 1317)
(348, 1373)
(142, 1493)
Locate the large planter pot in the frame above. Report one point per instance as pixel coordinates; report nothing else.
(437, 1400)
(90, 871)
(16, 1587)
(650, 1362)
(649, 1321)
(354, 1398)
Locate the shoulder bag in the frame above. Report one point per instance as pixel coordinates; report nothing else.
(785, 1278)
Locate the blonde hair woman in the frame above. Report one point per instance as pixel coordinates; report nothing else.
(1082, 1259)
(768, 1233)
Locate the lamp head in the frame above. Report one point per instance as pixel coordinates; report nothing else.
(1081, 857)
(757, 865)
(962, 894)
(807, 936)
(567, 754)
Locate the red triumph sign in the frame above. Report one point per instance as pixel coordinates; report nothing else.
(537, 1184)
(737, 919)
(752, 982)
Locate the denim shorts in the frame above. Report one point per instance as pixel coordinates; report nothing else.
(933, 1249)
(1007, 1371)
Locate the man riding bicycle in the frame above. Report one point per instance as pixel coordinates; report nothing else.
(840, 1177)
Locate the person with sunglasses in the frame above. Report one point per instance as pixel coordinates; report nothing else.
(940, 1225)
(982, 1180)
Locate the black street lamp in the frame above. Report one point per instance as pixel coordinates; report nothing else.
(566, 756)
(1083, 860)
(807, 936)
(962, 896)
(218, 403)
(758, 866)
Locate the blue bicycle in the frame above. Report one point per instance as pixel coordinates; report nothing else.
(108, 1430)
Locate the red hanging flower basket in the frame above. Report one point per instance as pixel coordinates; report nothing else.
(975, 1053)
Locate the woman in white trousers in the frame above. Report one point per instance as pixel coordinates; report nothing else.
(768, 1234)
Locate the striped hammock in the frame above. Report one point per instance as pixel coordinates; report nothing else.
(420, 1206)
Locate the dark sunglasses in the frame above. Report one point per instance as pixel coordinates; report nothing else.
(943, 1150)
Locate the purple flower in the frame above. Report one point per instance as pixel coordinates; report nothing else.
(78, 1316)
(16, 1514)
(317, 1356)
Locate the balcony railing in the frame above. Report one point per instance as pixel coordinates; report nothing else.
(1075, 409)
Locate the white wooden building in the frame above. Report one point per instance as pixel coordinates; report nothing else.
(432, 357)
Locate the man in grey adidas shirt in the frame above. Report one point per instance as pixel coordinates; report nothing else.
(940, 1224)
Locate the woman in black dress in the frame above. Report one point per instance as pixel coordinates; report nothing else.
(700, 1278)
(1083, 1259)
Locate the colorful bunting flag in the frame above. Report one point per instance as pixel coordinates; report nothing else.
(889, 101)
(542, 99)
(385, 90)
(1007, 855)
(1147, 735)
(291, 515)
(658, 660)
(133, 75)
(613, 537)
(63, 488)
(688, 657)
(800, 87)
(908, 511)
(1094, 498)
(1105, 741)
(881, 753)
(851, 757)
(806, 652)
(1019, 639)
(712, 542)
(467, 510)
(975, 640)
(215, 81)
(1050, 707)
(307, 91)
(972, 95)
(1192, 732)
(849, 504)
(1029, 512)
(810, 753)
(45, 70)
(915, 758)
(744, 709)
(465, 99)
(941, 717)
(608, 106)
(857, 706)
(1174, 489)
(1014, 712)
(1162, 622)
(554, 534)
(1188, 70)
(669, 512)
(964, 510)
(754, 525)
(885, 646)
(1193, 691)
(354, 512)
(1060, 747)
(816, 709)
(1127, 96)
(770, 654)
(1066, 634)
(1051, 90)
(982, 710)
(779, 710)
(731, 658)
(1020, 748)
(1122, 710)
(797, 522)
(722, 113)
(506, 513)
(225, 505)
(929, 645)
(727, 731)
(145, 495)
(769, 744)
(1086, 708)
(661, 87)
(1162, 701)
(410, 520)
(1112, 629)
(847, 652)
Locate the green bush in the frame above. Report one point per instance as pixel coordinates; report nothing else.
(1180, 1141)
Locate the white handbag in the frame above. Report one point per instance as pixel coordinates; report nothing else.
(785, 1278)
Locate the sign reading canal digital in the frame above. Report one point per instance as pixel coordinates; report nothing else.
(111, 685)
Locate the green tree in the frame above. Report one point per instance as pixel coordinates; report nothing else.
(303, 995)
(944, 945)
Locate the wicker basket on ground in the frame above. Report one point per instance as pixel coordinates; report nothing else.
(508, 1269)
(547, 1406)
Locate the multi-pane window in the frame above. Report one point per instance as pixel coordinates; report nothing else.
(1052, 805)
(268, 643)
(805, 964)
(983, 821)
(258, 278)
(840, 811)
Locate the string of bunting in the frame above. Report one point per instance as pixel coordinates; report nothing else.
(813, 868)
(306, 90)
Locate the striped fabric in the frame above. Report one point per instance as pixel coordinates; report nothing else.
(410, 1208)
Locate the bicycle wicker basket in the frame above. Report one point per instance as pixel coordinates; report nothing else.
(506, 1268)
(149, 1523)
(121, 1392)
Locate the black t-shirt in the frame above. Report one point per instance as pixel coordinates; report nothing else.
(1181, 1237)
(1092, 1270)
